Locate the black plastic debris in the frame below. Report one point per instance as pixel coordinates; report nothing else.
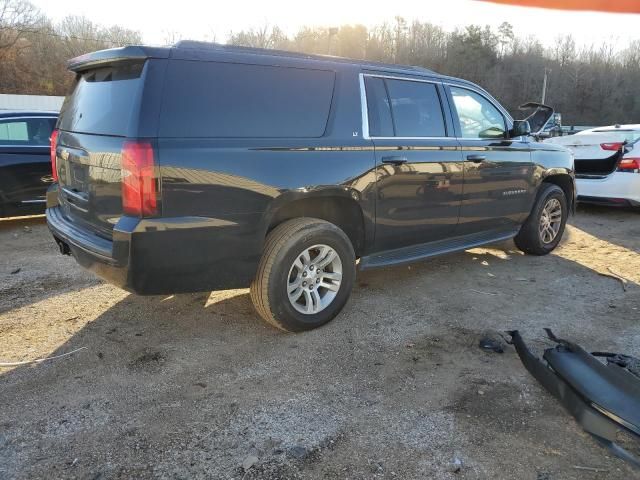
(629, 363)
(603, 397)
(491, 345)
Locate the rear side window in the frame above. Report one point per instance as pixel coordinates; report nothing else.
(403, 108)
(208, 99)
(26, 131)
(379, 110)
(102, 100)
(416, 109)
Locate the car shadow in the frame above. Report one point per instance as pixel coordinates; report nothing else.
(189, 375)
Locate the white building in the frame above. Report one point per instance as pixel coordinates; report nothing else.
(30, 102)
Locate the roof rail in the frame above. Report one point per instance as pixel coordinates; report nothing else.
(200, 45)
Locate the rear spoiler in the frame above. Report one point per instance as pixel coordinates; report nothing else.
(116, 55)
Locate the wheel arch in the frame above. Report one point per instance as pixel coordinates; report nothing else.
(566, 183)
(339, 208)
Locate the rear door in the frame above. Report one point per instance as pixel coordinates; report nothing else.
(498, 171)
(101, 112)
(418, 163)
(25, 165)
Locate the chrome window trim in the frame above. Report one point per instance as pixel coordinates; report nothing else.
(31, 116)
(365, 110)
(30, 145)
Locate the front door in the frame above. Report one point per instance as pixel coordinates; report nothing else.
(498, 171)
(418, 162)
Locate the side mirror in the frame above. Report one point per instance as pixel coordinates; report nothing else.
(521, 128)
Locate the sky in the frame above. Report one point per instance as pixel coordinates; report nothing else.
(213, 20)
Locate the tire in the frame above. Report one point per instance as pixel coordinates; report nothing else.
(530, 239)
(280, 270)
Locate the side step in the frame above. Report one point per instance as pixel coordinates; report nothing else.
(419, 252)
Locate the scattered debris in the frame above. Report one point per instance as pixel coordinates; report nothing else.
(489, 274)
(491, 344)
(456, 465)
(298, 452)
(480, 392)
(39, 360)
(603, 398)
(15, 270)
(485, 263)
(249, 462)
(27, 229)
(591, 469)
(631, 364)
(483, 293)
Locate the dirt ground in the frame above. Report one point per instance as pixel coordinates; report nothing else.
(192, 386)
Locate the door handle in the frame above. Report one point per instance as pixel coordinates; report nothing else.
(476, 158)
(394, 160)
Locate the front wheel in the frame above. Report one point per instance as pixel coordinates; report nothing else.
(543, 230)
(305, 275)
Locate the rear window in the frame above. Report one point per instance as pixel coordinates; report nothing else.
(102, 100)
(26, 131)
(208, 99)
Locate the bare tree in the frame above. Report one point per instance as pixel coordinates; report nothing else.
(16, 18)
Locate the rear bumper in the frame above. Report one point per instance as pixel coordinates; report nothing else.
(162, 256)
(619, 188)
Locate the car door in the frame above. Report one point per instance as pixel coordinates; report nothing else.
(498, 170)
(419, 169)
(25, 167)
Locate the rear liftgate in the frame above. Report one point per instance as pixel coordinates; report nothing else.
(603, 398)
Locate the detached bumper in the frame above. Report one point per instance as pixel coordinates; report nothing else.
(162, 256)
(604, 399)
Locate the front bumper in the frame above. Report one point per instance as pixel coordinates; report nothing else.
(162, 255)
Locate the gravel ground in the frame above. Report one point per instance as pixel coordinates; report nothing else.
(193, 386)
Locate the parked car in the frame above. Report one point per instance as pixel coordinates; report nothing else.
(203, 167)
(25, 162)
(607, 162)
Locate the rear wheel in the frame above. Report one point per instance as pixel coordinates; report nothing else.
(543, 230)
(305, 275)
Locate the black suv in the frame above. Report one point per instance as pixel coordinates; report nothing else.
(201, 167)
(25, 165)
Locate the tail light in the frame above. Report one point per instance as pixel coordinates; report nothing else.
(139, 190)
(629, 165)
(613, 146)
(54, 143)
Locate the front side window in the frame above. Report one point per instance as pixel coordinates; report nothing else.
(478, 117)
(26, 131)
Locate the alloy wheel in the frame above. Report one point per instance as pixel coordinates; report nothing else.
(314, 279)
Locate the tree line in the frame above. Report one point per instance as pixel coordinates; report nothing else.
(589, 85)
